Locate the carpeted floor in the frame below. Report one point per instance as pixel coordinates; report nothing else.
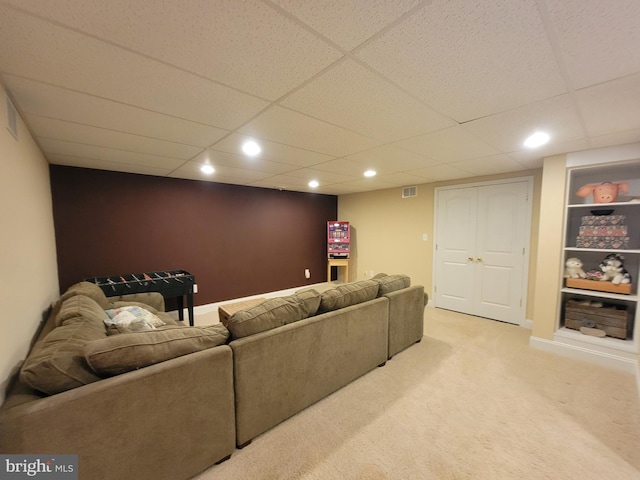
(471, 401)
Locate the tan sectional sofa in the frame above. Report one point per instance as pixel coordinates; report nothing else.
(170, 402)
(169, 420)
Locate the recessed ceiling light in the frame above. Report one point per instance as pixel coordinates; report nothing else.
(536, 140)
(208, 169)
(251, 148)
(314, 184)
(370, 173)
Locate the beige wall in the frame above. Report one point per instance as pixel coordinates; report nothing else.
(29, 280)
(549, 257)
(388, 231)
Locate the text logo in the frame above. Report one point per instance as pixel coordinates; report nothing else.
(49, 467)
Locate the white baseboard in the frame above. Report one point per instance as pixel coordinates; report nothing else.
(604, 359)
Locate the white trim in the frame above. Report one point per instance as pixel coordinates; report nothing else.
(604, 359)
(603, 155)
(528, 324)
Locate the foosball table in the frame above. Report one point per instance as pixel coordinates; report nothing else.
(170, 284)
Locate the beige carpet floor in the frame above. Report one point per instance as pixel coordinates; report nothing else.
(471, 401)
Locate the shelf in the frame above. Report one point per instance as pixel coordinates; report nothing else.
(604, 250)
(601, 206)
(595, 293)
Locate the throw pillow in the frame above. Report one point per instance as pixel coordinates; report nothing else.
(348, 294)
(132, 318)
(391, 283)
(122, 353)
(57, 363)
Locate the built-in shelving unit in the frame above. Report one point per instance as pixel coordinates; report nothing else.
(577, 209)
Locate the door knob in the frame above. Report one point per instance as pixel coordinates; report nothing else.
(470, 259)
(479, 259)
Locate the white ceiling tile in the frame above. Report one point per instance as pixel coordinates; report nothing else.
(292, 128)
(322, 176)
(617, 138)
(368, 184)
(443, 172)
(229, 160)
(612, 106)
(106, 165)
(357, 99)
(388, 158)
(406, 178)
(345, 23)
(68, 59)
(457, 55)
(91, 152)
(43, 127)
(230, 173)
(507, 131)
(48, 101)
(448, 145)
(600, 40)
(276, 152)
(489, 165)
(248, 37)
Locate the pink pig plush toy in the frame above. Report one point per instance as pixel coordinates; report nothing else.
(606, 192)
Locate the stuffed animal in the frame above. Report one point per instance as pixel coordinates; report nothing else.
(613, 269)
(574, 268)
(606, 192)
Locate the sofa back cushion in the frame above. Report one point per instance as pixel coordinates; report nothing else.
(118, 354)
(57, 363)
(391, 283)
(308, 298)
(87, 289)
(269, 314)
(79, 306)
(347, 295)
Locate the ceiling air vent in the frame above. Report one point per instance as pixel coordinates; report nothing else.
(408, 192)
(12, 118)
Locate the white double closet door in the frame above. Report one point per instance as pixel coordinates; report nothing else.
(481, 249)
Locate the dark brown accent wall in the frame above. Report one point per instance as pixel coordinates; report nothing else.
(236, 240)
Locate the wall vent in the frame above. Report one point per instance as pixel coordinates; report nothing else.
(12, 117)
(408, 192)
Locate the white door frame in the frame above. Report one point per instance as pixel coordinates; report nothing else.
(523, 322)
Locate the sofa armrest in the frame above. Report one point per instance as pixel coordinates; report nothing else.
(142, 424)
(153, 299)
(406, 317)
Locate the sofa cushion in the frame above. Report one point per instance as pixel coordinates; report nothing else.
(269, 314)
(87, 289)
(348, 294)
(391, 283)
(122, 353)
(57, 363)
(309, 299)
(79, 306)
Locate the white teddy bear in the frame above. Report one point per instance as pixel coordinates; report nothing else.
(574, 268)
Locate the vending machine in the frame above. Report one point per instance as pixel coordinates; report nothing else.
(338, 239)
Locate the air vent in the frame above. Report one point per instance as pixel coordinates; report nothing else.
(408, 192)
(12, 118)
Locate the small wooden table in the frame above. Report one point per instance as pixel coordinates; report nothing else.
(338, 263)
(228, 309)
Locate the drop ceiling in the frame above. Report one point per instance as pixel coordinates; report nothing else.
(420, 91)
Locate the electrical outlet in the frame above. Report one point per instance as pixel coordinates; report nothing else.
(307, 273)
(195, 288)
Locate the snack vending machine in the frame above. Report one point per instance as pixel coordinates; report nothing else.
(338, 239)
